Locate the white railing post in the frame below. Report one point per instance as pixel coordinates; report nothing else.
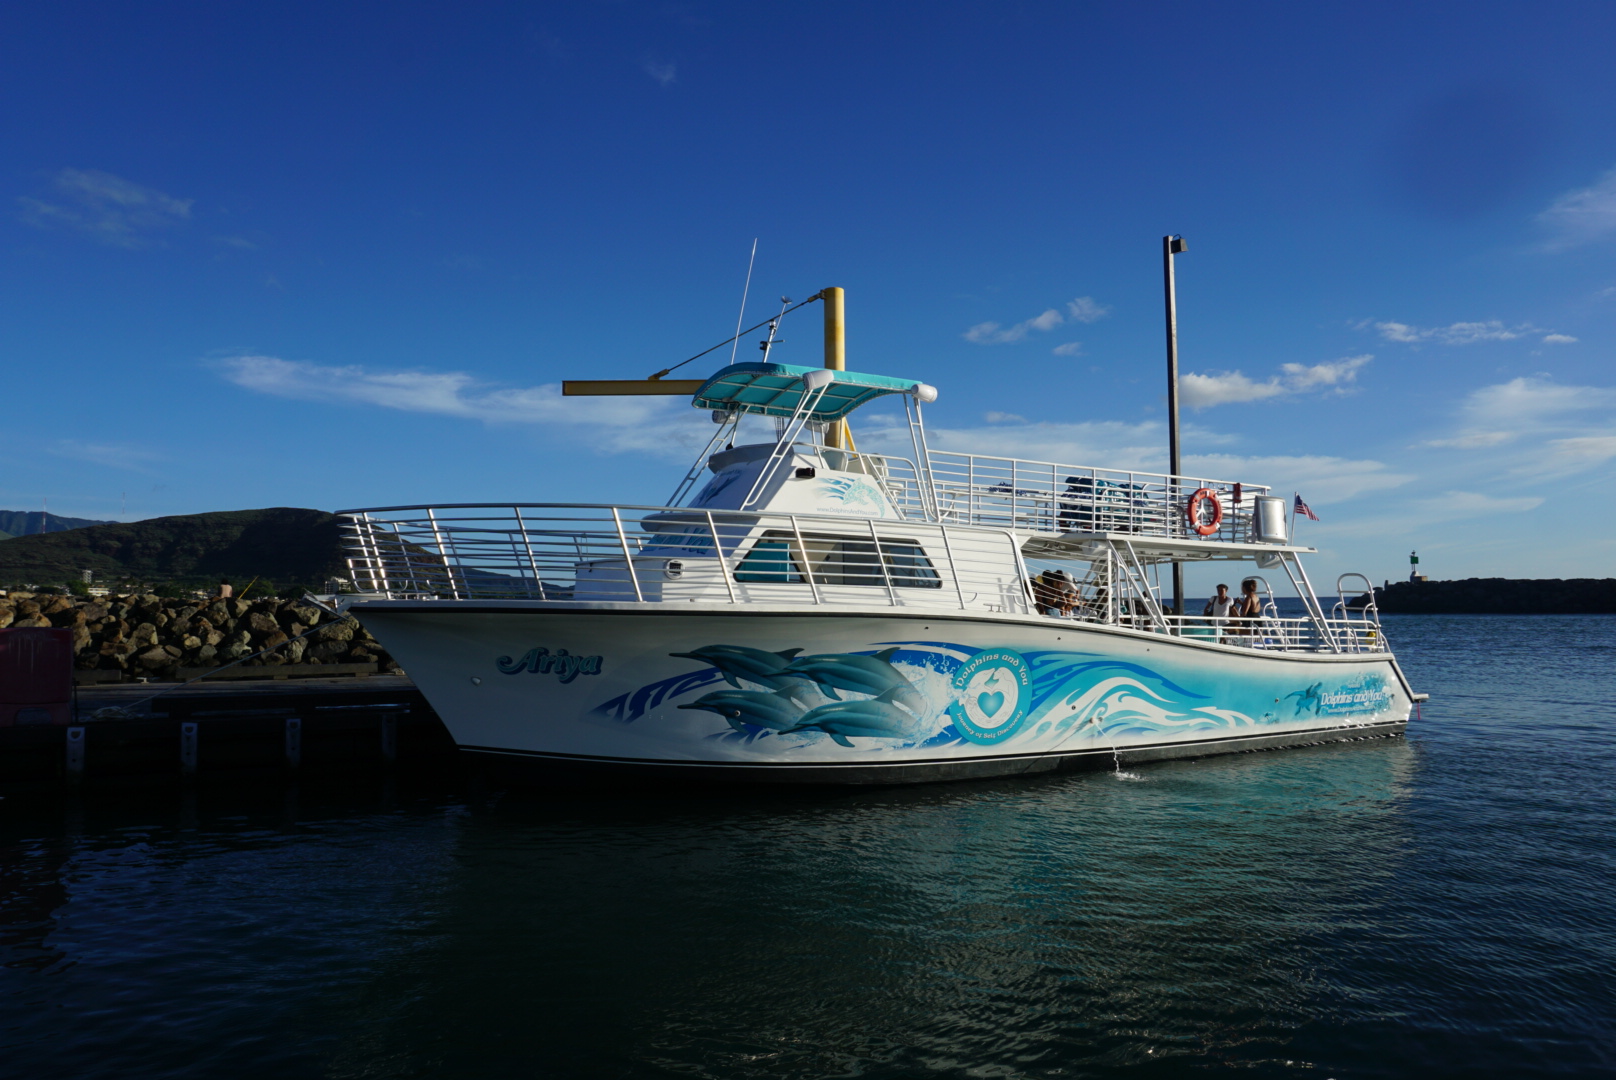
(628, 558)
(881, 560)
(718, 553)
(521, 526)
(437, 539)
(953, 567)
(807, 563)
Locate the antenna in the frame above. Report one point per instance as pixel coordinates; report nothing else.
(774, 326)
(745, 289)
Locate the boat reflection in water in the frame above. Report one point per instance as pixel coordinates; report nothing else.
(1005, 925)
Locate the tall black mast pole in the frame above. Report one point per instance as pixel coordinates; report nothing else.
(1173, 245)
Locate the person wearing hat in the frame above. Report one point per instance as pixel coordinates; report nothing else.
(1054, 592)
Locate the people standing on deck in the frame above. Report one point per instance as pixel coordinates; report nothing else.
(1220, 607)
(1247, 609)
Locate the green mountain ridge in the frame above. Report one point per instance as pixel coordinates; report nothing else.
(28, 523)
(282, 544)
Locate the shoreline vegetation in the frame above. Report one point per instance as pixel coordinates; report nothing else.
(1499, 596)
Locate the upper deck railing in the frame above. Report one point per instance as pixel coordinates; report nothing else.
(664, 555)
(647, 554)
(1048, 497)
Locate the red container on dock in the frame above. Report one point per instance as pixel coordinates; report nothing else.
(36, 676)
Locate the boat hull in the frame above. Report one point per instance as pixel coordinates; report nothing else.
(859, 698)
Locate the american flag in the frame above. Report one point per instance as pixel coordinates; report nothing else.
(1303, 508)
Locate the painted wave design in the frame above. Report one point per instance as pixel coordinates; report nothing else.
(1073, 696)
(1073, 693)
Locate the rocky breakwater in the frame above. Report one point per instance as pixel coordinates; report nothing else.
(154, 637)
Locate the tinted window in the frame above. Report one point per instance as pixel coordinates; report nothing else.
(769, 561)
(838, 560)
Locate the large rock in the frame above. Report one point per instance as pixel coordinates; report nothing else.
(262, 624)
(337, 631)
(328, 652)
(154, 658)
(307, 614)
(144, 634)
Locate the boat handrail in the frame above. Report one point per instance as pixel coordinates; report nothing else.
(661, 555)
(1050, 498)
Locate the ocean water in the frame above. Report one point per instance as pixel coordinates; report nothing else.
(1443, 905)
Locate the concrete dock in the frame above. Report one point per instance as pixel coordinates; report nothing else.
(210, 731)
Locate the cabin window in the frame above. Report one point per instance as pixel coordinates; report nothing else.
(769, 562)
(908, 565)
(838, 560)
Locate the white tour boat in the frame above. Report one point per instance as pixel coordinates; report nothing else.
(816, 614)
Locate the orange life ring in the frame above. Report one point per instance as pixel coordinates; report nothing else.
(1193, 512)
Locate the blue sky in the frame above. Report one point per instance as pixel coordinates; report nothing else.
(341, 255)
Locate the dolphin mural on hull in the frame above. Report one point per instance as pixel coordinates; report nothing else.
(775, 711)
(860, 674)
(736, 662)
(876, 718)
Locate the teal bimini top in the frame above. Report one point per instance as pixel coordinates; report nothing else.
(777, 389)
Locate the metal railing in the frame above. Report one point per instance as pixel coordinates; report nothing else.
(1047, 497)
(666, 555)
(650, 554)
(1270, 632)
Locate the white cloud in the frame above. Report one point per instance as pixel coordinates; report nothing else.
(1086, 310)
(114, 455)
(1474, 440)
(1559, 339)
(1584, 449)
(1528, 400)
(1321, 479)
(1071, 348)
(1553, 430)
(662, 73)
(991, 333)
(1003, 418)
(1580, 216)
(1300, 377)
(654, 424)
(1459, 333)
(1142, 447)
(1107, 444)
(108, 208)
(1454, 504)
(1083, 310)
(1224, 388)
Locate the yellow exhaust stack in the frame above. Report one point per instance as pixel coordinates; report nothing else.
(837, 436)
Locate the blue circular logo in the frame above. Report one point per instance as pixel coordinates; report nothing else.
(992, 692)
